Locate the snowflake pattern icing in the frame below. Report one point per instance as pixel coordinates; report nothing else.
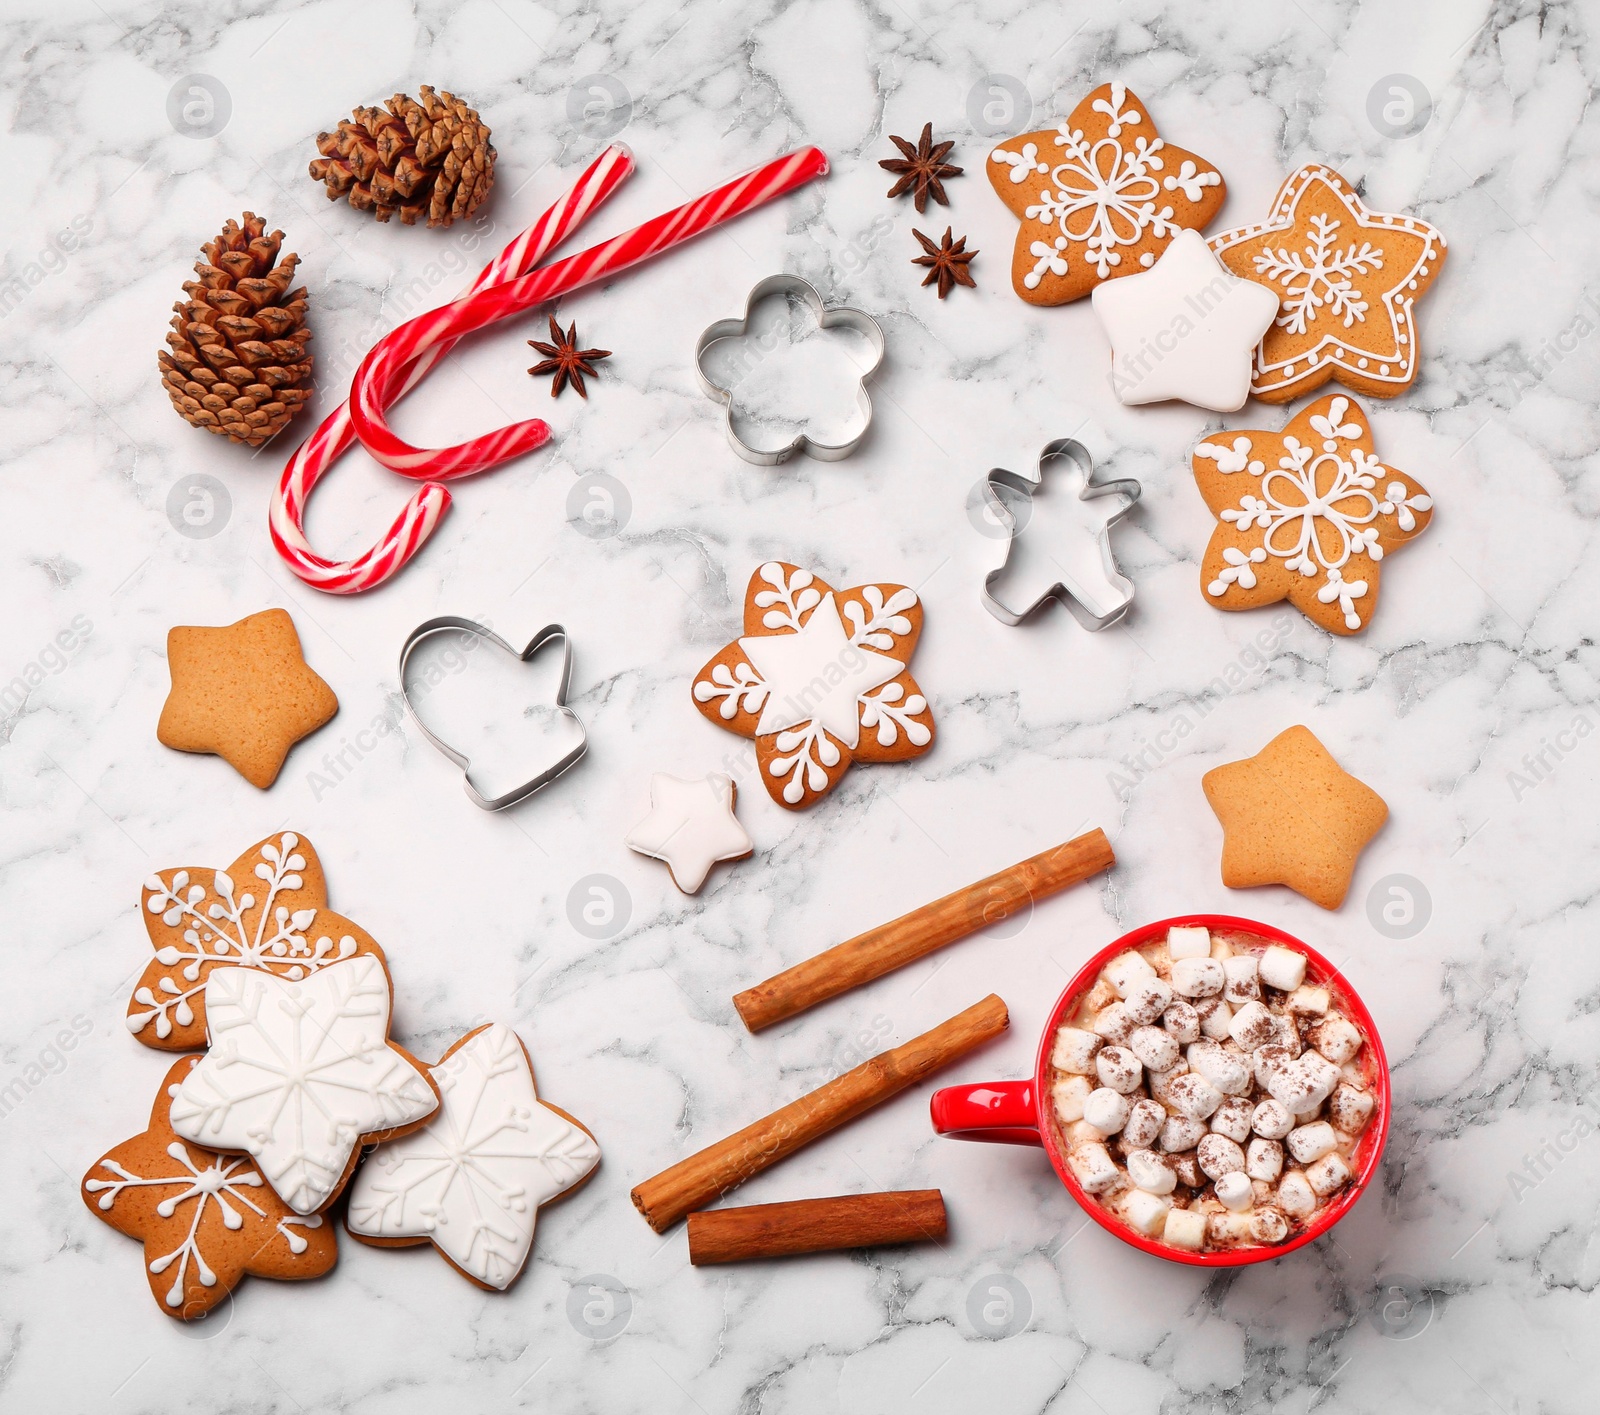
(1321, 274)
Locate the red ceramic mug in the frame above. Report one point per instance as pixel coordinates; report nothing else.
(1009, 1111)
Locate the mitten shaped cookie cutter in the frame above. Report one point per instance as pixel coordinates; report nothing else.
(787, 286)
(450, 622)
(1073, 514)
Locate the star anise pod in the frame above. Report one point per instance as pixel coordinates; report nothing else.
(566, 360)
(922, 170)
(946, 263)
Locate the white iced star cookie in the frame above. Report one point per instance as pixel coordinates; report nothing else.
(691, 826)
(301, 1074)
(472, 1181)
(1186, 328)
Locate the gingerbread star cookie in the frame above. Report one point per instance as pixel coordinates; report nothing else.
(820, 679)
(1345, 276)
(691, 827)
(1099, 196)
(206, 1219)
(1292, 815)
(244, 693)
(267, 910)
(473, 1180)
(1306, 514)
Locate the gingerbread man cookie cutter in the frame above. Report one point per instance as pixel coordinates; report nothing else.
(452, 623)
(1068, 535)
(790, 287)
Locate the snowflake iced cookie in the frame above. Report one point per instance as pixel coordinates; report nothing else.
(472, 1181)
(691, 827)
(267, 910)
(1099, 196)
(206, 1219)
(301, 1074)
(243, 692)
(1345, 276)
(1306, 514)
(820, 679)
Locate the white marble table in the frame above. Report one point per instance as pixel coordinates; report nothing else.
(1462, 1281)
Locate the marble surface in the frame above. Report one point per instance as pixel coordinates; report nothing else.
(1464, 1280)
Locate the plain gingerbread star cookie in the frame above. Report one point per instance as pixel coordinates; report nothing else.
(244, 693)
(1292, 815)
(691, 827)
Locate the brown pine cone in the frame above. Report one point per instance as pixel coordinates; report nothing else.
(236, 362)
(428, 156)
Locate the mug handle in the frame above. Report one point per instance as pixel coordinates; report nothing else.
(1001, 1112)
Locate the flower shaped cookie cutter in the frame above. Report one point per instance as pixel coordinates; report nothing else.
(789, 288)
(451, 623)
(1069, 519)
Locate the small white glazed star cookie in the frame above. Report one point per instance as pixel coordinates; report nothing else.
(691, 826)
(1186, 329)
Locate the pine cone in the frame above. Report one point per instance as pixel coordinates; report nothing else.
(424, 157)
(238, 364)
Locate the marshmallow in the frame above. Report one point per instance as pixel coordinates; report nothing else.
(1263, 1159)
(1160, 1080)
(1311, 1142)
(1179, 1133)
(1304, 1083)
(1147, 999)
(1350, 1108)
(1102, 994)
(1271, 1120)
(1068, 1094)
(1153, 1047)
(1080, 1132)
(1216, 1018)
(1198, 977)
(1182, 1022)
(1283, 968)
(1252, 1026)
(1218, 1155)
(1268, 1061)
(1150, 1172)
(1112, 1023)
(1232, 1118)
(1126, 969)
(1296, 1196)
(1106, 1110)
(1242, 973)
(1145, 1119)
(1268, 1226)
(1191, 941)
(1234, 1191)
(1328, 1174)
(1337, 1038)
(1265, 1190)
(1187, 1168)
(1145, 1212)
(1227, 1070)
(1192, 1096)
(1185, 1228)
(1227, 1230)
(1118, 1068)
(1074, 1050)
(1288, 1034)
(1096, 1171)
(1308, 999)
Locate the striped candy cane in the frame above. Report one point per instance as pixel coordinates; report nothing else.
(416, 522)
(383, 369)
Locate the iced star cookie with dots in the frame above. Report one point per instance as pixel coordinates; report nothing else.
(819, 680)
(1346, 278)
(1100, 195)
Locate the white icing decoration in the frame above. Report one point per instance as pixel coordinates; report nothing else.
(473, 1178)
(691, 826)
(1190, 180)
(1187, 328)
(1396, 503)
(1320, 274)
(297, 1073)
(1048, 258)
(217, 934)
(1238, 569)
(224, 1179)
(1231, 459)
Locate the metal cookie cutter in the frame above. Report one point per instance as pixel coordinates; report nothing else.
(1065, 539)
(450, 622)
(787, 287)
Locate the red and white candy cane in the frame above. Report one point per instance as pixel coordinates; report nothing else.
(383, 369)
(332, 439)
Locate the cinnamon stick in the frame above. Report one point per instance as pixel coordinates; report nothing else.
(815, 1226)
(694, 1182)
(889, 946)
